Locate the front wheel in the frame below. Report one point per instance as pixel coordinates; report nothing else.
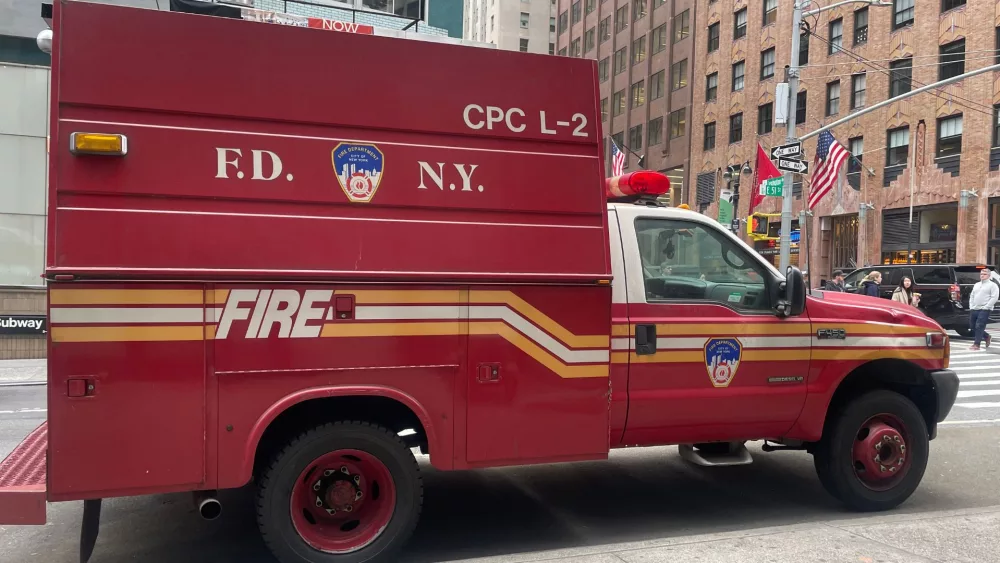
(344, 492)
(874, 451)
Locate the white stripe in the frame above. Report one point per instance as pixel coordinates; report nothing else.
(981, 368)
(873, 342)
(23, 411)
(213, 314)
(976, 383)
(978, 405)
(981, 421)
(315, 138)
(419, 312)
(972, 363)
(963, 377)
(497, 312)
(698, 342)
(979, 393)
(105, 315)
(623, 343)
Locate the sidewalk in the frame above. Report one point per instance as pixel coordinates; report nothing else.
(951, 536)
(22, 372)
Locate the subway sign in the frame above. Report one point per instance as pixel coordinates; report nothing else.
(32, 325)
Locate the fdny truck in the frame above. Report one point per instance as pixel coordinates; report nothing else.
(292, 257)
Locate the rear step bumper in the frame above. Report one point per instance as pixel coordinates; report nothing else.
(22, 480)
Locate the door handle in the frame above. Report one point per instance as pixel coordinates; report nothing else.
(645, 340)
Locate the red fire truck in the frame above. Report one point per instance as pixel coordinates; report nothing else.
(290, 257)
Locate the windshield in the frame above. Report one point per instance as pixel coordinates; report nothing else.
(969, 275)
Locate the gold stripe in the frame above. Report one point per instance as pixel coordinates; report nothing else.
(734, 328)
(619, 330)
(539, 354)
(698, 356)
(875, 329)
(216, 297)
(210, 332)
(619, 357)
(448, 328)
(126, 333)
(539, 318)
(877, 354)
(126, 297)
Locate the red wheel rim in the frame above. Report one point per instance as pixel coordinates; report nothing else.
(343, 501)
(880, 455)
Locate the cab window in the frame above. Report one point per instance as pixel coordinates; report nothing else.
(852, 281)
(684, 260)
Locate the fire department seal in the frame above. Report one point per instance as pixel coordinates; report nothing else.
(722, 359)
(359, 170)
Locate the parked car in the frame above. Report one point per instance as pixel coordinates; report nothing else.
(944, 289)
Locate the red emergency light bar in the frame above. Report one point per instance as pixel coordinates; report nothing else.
(637, 184)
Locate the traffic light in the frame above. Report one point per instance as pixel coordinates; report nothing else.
(758, 225)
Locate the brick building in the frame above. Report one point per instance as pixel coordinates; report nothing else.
(857, 55)
(645, 52)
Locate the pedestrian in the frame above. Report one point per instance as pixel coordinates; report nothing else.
(981, 301)
(837, 283)
(904, 293)
(870, 285)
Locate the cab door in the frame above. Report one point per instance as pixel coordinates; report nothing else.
(710, 359)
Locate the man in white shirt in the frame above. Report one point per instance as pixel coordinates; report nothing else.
(981, 301)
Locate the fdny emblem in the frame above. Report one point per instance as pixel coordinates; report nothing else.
(722, 359)
(359, 170)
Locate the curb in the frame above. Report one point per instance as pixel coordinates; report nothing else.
(23, 383)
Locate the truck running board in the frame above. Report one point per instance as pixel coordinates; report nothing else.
(22, 481)
(728, 454)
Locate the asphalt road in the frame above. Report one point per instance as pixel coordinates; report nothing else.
(640, 495)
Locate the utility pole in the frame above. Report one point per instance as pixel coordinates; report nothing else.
(785, 237)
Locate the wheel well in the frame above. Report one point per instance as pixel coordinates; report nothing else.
(298, 418)
(901, 376)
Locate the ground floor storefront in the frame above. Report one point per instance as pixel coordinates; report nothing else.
(23, 323)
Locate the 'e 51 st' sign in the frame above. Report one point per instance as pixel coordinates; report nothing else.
(23, 325)
(773, 187)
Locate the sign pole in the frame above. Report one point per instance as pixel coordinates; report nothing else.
(793, 90)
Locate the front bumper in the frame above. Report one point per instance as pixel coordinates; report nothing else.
(946, 388)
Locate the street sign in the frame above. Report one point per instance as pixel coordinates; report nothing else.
(773, 187)
(791, 149)
(793, 165)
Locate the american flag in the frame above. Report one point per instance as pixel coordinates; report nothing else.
(617, 160)
(830, 156)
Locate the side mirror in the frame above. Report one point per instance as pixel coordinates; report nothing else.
(794, 287)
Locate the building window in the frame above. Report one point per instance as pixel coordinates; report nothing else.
(900, 77)
(618, 103)
(765, 116)
(833, 98)
(656, 85)
(767, 64)
(711, 87)
(655, 132)
(678, 123)
(709, 142)
(574, 48)
(638, 10)
(682, 25)
(996, 126)
(898, 146)
(735, 128)
(858, 90)
(804, 48)
(713, 37)
(952, 60)
(738, 73)
(635, 138)
(619, 138)
(770, 11)
(857, 147)
(588, 40)
(996, 46)
(524, 45)
(659, 39)
(800, 107)
(590, 5)
(639, 50)
(620, 60)
(524, 20)
(562, 52)
(604, 109)
(949, 136)
(740, 24)
(602, 69)
(861, 26)
(951, 4)
(552, 48)
(563, 21)
(836, 36)
(552, 24)
(621, 18)
(679, 75)
(658, 3)
(575, 12)
(902, 13)
(638, 94)
(604, 29)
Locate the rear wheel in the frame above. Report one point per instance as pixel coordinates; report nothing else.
(874, 452)
(344, 492)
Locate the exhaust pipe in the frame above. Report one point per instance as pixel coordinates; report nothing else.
(207, 504)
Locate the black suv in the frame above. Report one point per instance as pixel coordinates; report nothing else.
(944, 289)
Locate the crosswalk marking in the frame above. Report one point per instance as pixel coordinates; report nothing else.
(978, 373)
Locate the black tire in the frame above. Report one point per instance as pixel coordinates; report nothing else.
(833, 456)
(965, 331)
(277, 479)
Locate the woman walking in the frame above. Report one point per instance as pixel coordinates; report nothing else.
(870, 285)
(906, 292)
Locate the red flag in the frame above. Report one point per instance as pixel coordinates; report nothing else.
(764, 170)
